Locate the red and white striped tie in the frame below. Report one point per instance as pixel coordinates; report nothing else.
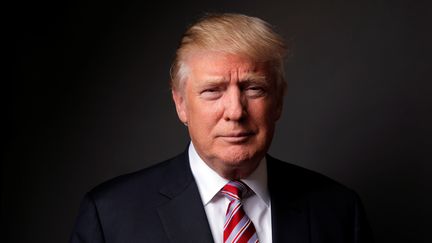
(238, 228)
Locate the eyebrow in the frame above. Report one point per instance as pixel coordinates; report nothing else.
(247, 78)
(254, 78)
(214, 80)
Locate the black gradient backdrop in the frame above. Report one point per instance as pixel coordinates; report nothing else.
(89, 100)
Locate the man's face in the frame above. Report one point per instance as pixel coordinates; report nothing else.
(229, 104)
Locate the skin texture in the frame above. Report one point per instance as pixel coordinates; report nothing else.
(230, 107)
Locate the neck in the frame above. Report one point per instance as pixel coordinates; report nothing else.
(236, 172)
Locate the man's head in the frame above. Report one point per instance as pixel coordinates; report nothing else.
(228, 85)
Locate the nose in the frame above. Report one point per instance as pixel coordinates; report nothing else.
(235, 105)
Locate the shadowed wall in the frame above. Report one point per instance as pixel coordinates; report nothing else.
(89, 100)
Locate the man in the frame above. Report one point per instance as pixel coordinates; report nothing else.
(228, 86)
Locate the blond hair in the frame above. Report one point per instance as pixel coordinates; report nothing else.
(234, 34)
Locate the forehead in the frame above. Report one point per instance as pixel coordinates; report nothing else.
(218, 65)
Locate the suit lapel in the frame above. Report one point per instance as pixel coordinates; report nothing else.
(183, 217)
(289, 210)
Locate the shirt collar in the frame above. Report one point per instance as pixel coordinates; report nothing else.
(209, 182)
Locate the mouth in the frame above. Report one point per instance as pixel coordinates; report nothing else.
(237, 137)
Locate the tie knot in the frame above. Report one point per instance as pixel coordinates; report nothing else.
(235, 190)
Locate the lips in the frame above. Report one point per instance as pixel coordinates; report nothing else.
(236, 137)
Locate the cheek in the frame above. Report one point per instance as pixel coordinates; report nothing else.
(208, 111)
(204, 116)
(262, 112)
(265, 119)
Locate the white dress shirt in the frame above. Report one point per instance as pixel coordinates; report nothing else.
(257, 206)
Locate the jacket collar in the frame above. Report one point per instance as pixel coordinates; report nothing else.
(290, 216)
(183, 216)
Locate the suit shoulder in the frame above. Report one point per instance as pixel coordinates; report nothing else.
(149, 179)
(305, 180)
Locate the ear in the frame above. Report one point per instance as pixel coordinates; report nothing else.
(278, 109)
(279, 101)
(278, 112)
(180, 104)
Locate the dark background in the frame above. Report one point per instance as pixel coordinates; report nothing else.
(89, 100)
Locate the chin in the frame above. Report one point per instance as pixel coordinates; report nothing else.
(238, 157)
(237, 165)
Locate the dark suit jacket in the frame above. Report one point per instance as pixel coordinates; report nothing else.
(162, 204)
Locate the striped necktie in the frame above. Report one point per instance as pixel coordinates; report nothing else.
(238, 227)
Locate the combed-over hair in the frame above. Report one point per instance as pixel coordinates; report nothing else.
(234, 34)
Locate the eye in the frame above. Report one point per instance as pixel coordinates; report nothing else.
(211, 93)
(255, 91)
